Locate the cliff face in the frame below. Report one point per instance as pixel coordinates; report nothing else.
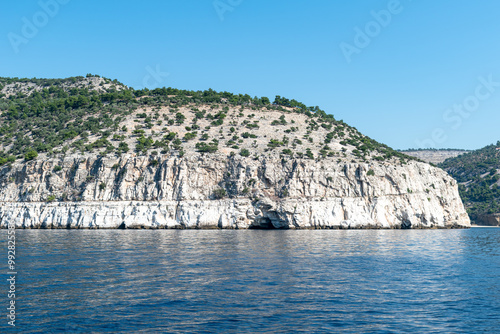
(488, 220)
(434, 156)
(203, 159)
(216, 191)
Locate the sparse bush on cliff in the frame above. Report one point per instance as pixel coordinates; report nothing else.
(248, 135)
(50, 198)
(30, 155)
(329, 137)
(176, 144)
(219, 193)
(252, 126)
(190, 135)
(122, 148)
(179, 118)
(170, 136)
(273, 143)
(6, 158)
(281, 121)
(207, 148)
(143, 143)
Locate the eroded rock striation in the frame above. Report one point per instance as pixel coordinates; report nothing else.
(219, 191)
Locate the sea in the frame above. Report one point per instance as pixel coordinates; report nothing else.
(255, 281)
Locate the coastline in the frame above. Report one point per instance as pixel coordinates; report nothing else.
(332, 213)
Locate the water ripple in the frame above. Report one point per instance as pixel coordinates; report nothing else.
(366, 281)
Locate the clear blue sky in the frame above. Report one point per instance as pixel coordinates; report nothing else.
(399, 86)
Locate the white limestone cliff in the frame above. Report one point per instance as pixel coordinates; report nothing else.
(270, 192)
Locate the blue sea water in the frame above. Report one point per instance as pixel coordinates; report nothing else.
(236, 281)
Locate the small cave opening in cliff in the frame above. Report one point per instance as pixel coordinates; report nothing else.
(264, 224)
(406, 225)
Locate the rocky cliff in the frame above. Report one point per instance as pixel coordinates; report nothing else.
(216, 191)
(488, 219)
(93, 153)
(435, 156)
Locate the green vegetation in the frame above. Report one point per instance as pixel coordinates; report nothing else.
(207, 148)
(50, 198)
(309, 154)
(179, 118)
(71, 115)
(55, 115)
(252, 126)
(219, 193)
(143, 143)
(190, 135)
(281, 121)
(248, 135)
(30, 155)
(6, 158)
(478, 175)
(273, 143)
(218, 118)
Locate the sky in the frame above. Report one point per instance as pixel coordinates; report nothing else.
(410, 74)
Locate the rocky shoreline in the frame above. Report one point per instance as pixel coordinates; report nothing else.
(229, 214)
(173, 192)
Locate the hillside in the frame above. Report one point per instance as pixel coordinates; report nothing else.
(55, 117)
(72, 147)
(479, 179)
(434, 156)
